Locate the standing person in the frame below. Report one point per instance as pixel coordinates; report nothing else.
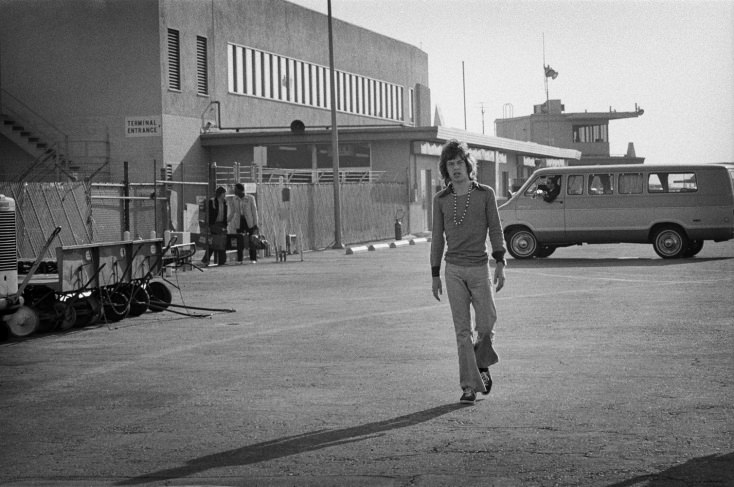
(463, 214)
(217, 224)
(244, 220)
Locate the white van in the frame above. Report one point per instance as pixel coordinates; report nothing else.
(673, 207)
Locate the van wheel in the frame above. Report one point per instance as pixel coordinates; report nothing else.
(693, 248)
(670, 242)
(545, 251)
(521, 243)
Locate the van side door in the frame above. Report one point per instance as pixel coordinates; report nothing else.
(540, 211)
(611, 209)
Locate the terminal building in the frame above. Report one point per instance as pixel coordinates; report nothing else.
(106, 90)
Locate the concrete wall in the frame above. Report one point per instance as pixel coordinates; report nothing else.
(85, 65)
(290, 30)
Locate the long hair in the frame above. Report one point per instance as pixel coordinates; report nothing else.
(451, 150)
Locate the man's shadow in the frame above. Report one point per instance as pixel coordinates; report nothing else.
(293, 445)
(717, 469)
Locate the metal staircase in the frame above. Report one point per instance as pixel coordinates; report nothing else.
(55, 156)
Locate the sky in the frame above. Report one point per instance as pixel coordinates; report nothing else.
(674, 59)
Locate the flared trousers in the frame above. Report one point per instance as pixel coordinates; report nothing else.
(470, 287)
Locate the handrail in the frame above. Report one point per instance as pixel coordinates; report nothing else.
(35, 121)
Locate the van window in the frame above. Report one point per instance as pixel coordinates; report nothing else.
(547, 187)
(630, 183)
(575, 184)
(533, 188)
(601, 184)
(672, 182)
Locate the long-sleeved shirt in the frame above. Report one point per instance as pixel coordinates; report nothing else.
(465, 243)
(246, 207)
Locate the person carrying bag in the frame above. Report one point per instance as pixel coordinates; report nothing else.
(244, 222)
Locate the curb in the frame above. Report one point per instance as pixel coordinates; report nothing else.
(385, 245)
(378, 246)
(354, 250)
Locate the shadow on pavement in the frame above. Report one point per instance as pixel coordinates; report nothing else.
(711, 470)
(607, 262)
(293, 445)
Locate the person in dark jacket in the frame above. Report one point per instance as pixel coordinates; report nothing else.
(217, 225)
(551, 189)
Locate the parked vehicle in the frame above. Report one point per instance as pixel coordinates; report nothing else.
(673, 207)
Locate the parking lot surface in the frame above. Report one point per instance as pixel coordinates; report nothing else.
(615, 370)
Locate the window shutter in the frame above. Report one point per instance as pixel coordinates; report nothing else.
(174, 60)
(202, 73)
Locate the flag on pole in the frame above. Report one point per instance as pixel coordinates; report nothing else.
(550, 72)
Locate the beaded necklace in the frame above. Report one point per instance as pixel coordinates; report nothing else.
(466, 207)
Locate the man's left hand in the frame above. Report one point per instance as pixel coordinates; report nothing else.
(499, 276)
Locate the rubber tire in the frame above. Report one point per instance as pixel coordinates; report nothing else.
(116, 306)
(23, 322)
(88, 311)
(65, 315)
(139, 300)
(160, 296)
(521, 243)
(694, 247)
(4, 331)
(670, 242)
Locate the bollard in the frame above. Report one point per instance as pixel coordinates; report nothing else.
(398, 230)
(166, 241)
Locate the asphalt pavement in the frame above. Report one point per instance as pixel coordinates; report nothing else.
(340, 370)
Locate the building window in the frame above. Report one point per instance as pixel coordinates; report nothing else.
(266, 77)
(411, 104)
(262, 74)
(291, 77)
(202, 67)
(174, 60)
(590, 133)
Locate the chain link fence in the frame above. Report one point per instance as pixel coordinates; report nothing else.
(41, 207)
(100, 212)
(367, 212)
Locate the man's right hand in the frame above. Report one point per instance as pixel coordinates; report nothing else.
(437, 288)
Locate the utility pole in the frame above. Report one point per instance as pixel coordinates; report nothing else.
(463, 82)
(481, 105)
(334, 141)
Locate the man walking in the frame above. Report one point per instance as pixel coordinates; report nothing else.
(244, 221)
(464, 213)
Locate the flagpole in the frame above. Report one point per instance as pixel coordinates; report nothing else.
(547, 97)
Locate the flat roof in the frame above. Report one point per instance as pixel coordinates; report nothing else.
(632, 167)
(575, 116)
(366, 133)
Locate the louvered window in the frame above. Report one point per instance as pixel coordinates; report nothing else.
(174, 60)
(202, 73)
(252, 72)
